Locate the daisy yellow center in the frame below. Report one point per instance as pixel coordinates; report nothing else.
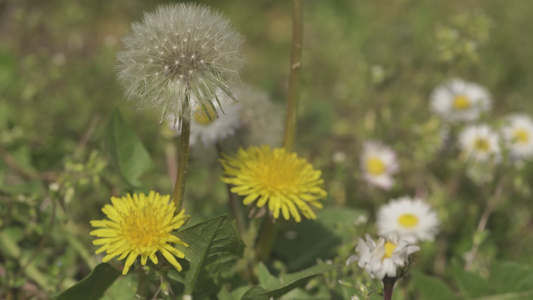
(203, 117)
(287, 183)
(521, 136)
(375, 166)
(461, 102)
(389, 248)
(408, 220)
(481, 145)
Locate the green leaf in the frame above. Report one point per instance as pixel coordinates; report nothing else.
(92, 286)
(508, 277)
(431, 288)
(332, 226)
(214, 245)
(126, 152)
(287, 283)
(266, 280)
(471, 285)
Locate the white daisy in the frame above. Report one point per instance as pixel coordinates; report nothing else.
(518, 135)
(384, 257)
(458, 100)
(411, 219)
(207, 127)
(378, 162)
(480, 143)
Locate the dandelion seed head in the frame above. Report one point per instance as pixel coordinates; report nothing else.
(178, 51)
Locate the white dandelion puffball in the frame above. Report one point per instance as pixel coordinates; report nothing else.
(458, 100)
(518, 135)
(378, 162)
(179, 51)
(206, 127)
(384, 257)
(411, 219)
(480, 143)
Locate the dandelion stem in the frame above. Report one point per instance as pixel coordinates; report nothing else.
(183, 156)
(234, 204)
(269, 230)
(267, 236)
(294, 77)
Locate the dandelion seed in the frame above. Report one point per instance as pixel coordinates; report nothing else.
(207, 127)
(290, 185)
(139, 225)
(198, 34)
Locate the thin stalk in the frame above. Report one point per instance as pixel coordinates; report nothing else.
(234, 203)
(269, 230)
(141, 283)
(267, 236)
(293, 95)
(388, 287)
(183, 156)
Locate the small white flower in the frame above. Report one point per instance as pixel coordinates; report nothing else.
(411, 219)
(518, 135)
(480, 143)
(210, 129)
(384, 257)
(378, 162)
(458, 100)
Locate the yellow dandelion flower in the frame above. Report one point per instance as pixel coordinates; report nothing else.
(139, 225)
(286, 182)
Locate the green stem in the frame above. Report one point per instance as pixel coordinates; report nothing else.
(388, 287)
(234, 203)
(267, 236)
(269, 230)
(141, 283)
(294, 77)
(183, 156)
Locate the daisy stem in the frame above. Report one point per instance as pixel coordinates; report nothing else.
(294, 77)
(388, 287)
(183, 155)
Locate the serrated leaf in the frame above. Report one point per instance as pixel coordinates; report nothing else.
(287, 283)
(93, 286)
(471, 285)
(211, 243)
(431, 288)
(127, 154)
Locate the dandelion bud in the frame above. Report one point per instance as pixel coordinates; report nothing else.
(177, 53)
